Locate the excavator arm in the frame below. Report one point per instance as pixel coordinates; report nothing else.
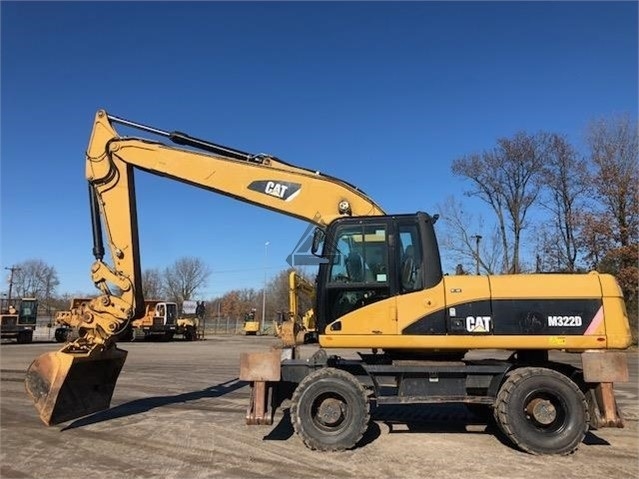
(80, 378)
(294, 330)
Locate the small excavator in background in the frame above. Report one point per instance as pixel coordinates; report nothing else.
(380, 289)
(297, 326)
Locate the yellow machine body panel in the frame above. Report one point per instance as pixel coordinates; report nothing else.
(251, 327)
(64, 318)
(527, 311)
(154, 312)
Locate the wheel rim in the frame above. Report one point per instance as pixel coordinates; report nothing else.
(330, 412)
(545, 411)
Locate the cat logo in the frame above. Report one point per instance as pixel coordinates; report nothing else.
(275, 189)
(283, 190)
(478, 324)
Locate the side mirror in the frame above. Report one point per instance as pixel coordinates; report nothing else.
(318, 238)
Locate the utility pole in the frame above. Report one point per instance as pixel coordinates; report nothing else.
(477, 239)
(264, 287)
(13, 269)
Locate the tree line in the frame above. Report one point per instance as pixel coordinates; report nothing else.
(185, 279)
(181, 281)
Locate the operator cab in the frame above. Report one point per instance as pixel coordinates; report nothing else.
(165, 314)
(28, 311)
(369, 259)
(25, 309)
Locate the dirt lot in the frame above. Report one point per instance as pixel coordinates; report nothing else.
(178, 412)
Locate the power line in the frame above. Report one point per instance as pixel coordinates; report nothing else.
(243, 270)
(12, 269)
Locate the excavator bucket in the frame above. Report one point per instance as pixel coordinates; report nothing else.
(66, 386)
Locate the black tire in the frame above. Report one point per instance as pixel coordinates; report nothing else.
(168, 336)
(330, 410)
(127, 335)
(61, 335)
(190, 333)
(24, 337)
(542, 411)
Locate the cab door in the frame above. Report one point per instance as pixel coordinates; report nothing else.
(429, 303)
(421, 299)
(357, 298)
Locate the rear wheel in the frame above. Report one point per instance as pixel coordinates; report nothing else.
(168, 336)
(542, 411)
(25, 337)
(127, 335)
(330, 410)
(190, 333)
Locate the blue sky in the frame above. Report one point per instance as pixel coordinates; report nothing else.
(383, 95)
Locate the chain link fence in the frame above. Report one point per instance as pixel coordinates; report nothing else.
(219, 325)
(227, 326)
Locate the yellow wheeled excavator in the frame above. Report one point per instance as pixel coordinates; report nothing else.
(380, 288)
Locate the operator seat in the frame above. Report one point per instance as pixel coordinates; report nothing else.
(355, 267)
(411, 276)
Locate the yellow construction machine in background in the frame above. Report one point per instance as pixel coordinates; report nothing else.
(297, 326)
(18, 317)
(160, 321)
(251, 324)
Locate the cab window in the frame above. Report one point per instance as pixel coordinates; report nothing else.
(358, 274)
(360, 255)
(410, 261)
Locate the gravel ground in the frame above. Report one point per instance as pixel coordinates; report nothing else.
(179, 412)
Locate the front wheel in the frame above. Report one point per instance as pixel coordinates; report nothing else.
(61, 335)
(542, 411)
(330, 410)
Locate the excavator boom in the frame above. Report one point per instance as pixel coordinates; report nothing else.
(79, 379)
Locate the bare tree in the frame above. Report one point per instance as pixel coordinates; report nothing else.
(459, 238)
(184, 278)
(595, 236)
(614, 245)
(566, 182)
(614, 149)
(277, 293)
(231, 306)
(506, 178)
(35, 278)
(236, 303)
(152, 284)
